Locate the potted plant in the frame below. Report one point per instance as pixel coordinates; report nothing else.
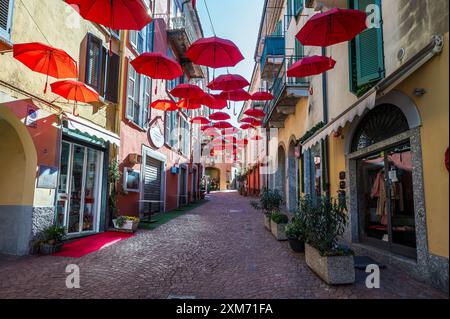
(52, 240)
(325, 224)
(126, 223)
(296, 234)
(270, 201)
(278, 224)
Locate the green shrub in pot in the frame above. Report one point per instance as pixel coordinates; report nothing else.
(279, 218)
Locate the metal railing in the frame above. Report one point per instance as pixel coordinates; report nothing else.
(273, 46)
(183, 22)
(281, 81)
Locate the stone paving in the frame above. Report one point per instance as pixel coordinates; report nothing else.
(219, 250)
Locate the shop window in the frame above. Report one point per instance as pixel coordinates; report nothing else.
(366, 53)
(6, 11)
(138, 98)
(383, 122)
(101, 69)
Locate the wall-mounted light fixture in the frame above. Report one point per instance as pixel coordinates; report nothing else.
(419, 92)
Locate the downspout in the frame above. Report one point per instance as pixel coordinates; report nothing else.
(325, 143)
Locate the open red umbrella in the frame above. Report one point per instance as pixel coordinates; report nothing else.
(242, 142)
(219, 103)
(228, 82)
(222, 125)
(75, 91)
(230, 131)
(164, 105)
(255, 113)
(157, 66)
(332, 27)
(115, 14)
(262, 96)
(251, 121)
(200, 120)
(47, 60)
(311, 66)
(219, 116)
(247, 127)
(187, 91)
(188, 105)
(257, 138)
(214, 52)
(236, 95)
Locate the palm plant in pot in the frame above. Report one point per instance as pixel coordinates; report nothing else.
(326, 222)
(270, 202)
(52, 240)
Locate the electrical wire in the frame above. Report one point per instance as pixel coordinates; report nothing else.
(34, 21)
(209, 17)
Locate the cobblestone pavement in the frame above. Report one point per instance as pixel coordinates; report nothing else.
(219, 250)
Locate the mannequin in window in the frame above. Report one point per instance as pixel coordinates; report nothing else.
(379, 191)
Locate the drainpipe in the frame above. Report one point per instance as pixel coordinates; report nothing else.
(325, 143)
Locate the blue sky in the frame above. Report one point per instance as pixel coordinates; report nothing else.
(238, 21)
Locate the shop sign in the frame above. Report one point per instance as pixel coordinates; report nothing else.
(31, 119)
(156, 137)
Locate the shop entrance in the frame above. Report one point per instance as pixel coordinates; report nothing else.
(79, 190)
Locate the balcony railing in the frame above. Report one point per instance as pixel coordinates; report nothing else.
(286, 90)
(183, 23)
(274, 47)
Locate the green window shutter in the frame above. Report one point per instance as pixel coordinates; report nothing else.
(298, 7)
(278, 29)
(369, 50)
(299, 49)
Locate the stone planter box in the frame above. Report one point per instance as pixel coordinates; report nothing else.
(267, 222)
(339, 270)
(129, 226)
(47, 249)
(278, 231)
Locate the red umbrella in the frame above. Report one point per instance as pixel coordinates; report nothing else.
(219, 103)
(115, 14)
(228, 82)
(75, 91)
(188, 105)
(332, 27)
(222, 125)
(214, 53)
(311, 66)
(257, 138)
(200, 120)
(262, 96)
(247, 127)
(164, 105)
(230, 131)
(219, 116)
(157, 66)
(255, 113)
(47, 60)
(242, 142)
(251, 121)
(187, 91)
(236, 95)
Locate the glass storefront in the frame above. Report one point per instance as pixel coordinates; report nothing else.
(78, 202)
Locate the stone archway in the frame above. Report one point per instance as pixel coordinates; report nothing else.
(292, 178)
(214, 178)
(280, 180)
(18, 162)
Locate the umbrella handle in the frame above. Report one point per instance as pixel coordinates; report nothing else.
(74, 111)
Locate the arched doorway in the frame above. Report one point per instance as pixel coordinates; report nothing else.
(385, 189)
(18, 162)
(280, 180)
(292, 172)
(213, 175)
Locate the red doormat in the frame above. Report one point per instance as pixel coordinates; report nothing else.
(81, 247)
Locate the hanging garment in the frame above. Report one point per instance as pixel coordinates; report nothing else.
(376, 186)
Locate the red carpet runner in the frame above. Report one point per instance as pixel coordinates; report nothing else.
(81, 247)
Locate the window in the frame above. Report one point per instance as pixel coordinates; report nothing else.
(143, 40)
(278, 29)
(102, 69)
(138, 97)
(289, 11)
(298, 7)
(6, 10)
(184, 137)
(366, 52)
(172, 129)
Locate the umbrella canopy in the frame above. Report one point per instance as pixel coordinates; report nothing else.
(332, 27)
(236, 95)
(115, 14)
(252, 121)
(228, 82)
(219, 103)
(200, 120)
(222, 125)
(242, 142)
(311, 66)
(230, 131)
(214, 52)
(75, 91)
(262, 96)
(157, 66)
(47, 60)
(219, 116)
(164, 105)
(257, 138)
(187, 91)
(188, 105)
(247, 127)
(255, 113)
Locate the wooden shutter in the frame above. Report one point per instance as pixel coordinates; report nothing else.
(94, 58)
(152, 182)
(369, 50)
(298, 6)
(6, 8)
(131, 87)
(112, 78)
